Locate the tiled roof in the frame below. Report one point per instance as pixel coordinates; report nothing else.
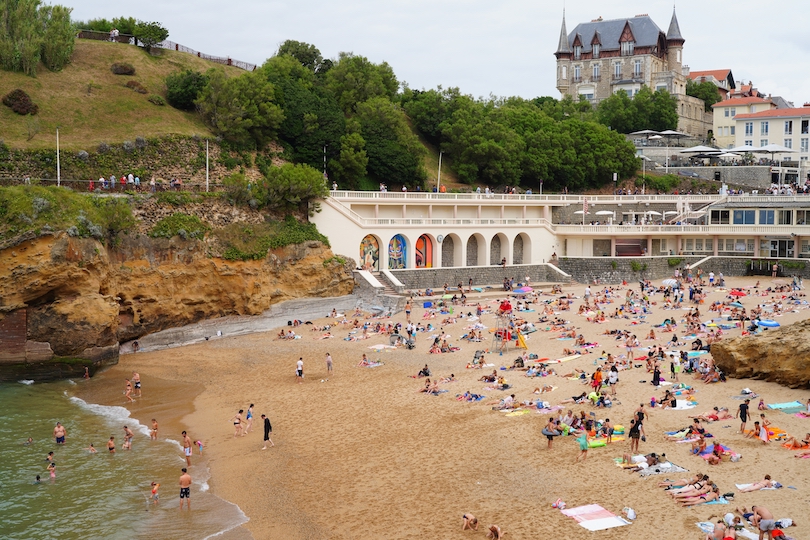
(777, 113)
(645, 31)
(736, 102)
(719, 74)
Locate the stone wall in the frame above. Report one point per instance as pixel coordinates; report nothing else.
(753, 177)
(740, 266)
(481, 275)
(607, 270)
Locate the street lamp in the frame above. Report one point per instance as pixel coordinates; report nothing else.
(58, 165)
(439, 176)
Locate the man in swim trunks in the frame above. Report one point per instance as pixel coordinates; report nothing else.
(763, 520)
(187, 448)
(469, 521)
(111, 445)
(185, 488)
(136, 382)
(59, 433)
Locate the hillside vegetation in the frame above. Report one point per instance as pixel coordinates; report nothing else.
(91, 105)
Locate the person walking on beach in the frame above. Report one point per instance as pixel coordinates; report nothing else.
(59, 433)
(187, 448)
(237, 423)
(268, 429)
(634, 435)
(329, 366)
(136, 382)
(299, 370)
(185, 488)
(128, 391)
(742, 414)
(249, 418)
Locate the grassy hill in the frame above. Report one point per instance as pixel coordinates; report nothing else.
(91, 105)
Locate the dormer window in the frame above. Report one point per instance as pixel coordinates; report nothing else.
(627, 48)
(596, 50)
(577, 52)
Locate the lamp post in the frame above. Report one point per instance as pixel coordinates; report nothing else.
(58, 165)
(206, 165)
(439, 176)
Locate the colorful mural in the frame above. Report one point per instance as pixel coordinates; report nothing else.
(424, 252)
(370, 253)
(397, 252)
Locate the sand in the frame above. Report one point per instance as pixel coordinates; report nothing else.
(365, 455)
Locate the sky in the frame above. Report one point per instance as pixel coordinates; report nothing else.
(483, 47)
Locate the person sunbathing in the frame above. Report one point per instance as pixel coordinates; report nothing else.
(717, 454)
(691, 487)
(756, 486)
(651, 335)
(490, 378)
(576, 399)
(714, 415)
(699, 446)
(710, 496)
(427, 386)
(704, 488)
(793, 443)
(544, 389)
(681, 482)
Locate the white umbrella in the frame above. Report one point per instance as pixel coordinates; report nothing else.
(652, 213)
(670, 213)
(655, 137)
(669, 282)
(645, 132)
(605, 213)
(700, 149)
(580, 212)
(729, 155)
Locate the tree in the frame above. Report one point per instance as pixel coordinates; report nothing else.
(59, 36)
(240, 109)
(307, 55)
(183, 88)
(394, 153)
(150, 34)
(646, 110)
(429, 108)
(664, 111)
(20, 36)
(355, 79)
(351, 165)
(617, 112)
(706, 90)
(290, 186)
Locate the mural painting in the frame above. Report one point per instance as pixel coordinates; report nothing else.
(397, 252)
(370, 253)
(424, 252)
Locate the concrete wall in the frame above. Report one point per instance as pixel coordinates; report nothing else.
(739, 266)
(753, 177)
(481, 275)
(605, 270)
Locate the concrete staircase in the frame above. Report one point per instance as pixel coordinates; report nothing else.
(388, 289)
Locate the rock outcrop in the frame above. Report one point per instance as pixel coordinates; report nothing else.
(70, 301)
(779, 355)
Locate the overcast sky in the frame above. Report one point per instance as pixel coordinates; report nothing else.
(501, 47)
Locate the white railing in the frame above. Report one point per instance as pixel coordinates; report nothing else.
(399, 196)
(801, 230)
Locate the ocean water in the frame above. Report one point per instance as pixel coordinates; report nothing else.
(96, 495)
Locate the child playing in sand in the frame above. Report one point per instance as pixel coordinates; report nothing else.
(469, 521)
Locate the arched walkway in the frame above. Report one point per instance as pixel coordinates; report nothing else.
(476, 250)
(370, 253)
(450, 244)
(424, 252)
(397, 252)
(522, 249)
(499, 249)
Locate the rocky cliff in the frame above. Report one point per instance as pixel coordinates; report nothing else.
(67, 302)
(780, 355)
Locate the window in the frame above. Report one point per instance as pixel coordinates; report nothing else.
(565, 72)
(763, 142)
(660, 87)
(589, 96)
(749, 245)
(805, 128)
(637, 68)
(726, 112)
(802, 216)
(729, 244)
(690, 244)
(733, 112)
(664, 245)
(719, 217)
(785, 217)
(788, 127)
(617, 70)
(596, 50)
(733, 130)
(763, 128)
(748, 143)
(805, 246)
(596, 72)
(752, 109)
(627, 48)
(698, 244)
(743, 217)
(788, 143)
(766, 217)
(749, 128)
(577, 52)
(577, 73)
(804, 144)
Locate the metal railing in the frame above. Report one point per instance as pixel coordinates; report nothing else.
(392, 196)
(168, 45)
(117, 187)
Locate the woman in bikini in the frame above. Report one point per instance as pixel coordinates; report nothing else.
(237, 423)
(792, 443)
(713, 495)
(249, 418)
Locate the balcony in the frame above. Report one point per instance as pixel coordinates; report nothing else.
(617, 76)
(596, 78)
(577, 79)
(638, 75)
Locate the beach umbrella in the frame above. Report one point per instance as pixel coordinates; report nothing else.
(652, 213)
(736, 304)
(670, 213)
(700, 149)
(669, 282)
(767, 323)
(737, 293)
(580, 212)
(524, 290)
(605, 213)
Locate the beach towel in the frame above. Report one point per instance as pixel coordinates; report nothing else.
(721, 500)
(563, 359)
(802, 415)
(519, 412)
(661, 468)
(787, 405)
(708, 527)
(743, 486)
(595, 518)
(683, 405)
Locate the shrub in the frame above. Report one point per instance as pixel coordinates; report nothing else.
(103, 148)
(183, 88)
(674, 262)
(82, 155)
(157, 100)
(140, 142)
(123, 69)
(179, 224)
(129, 146)
(20, 102)
(138, 87)
(174, 198)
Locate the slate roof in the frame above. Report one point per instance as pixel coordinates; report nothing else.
(645, 31)
(674, 32)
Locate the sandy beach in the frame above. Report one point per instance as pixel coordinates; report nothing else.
(364, 454)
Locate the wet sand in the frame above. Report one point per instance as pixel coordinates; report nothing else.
(365, 455)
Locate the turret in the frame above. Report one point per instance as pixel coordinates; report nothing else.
(675, 43)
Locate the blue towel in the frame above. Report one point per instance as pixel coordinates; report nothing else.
(721, 500)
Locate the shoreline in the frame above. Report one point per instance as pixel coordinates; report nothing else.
(363, 453)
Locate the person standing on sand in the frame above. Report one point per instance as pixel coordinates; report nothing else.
(249, 418)
(136, 382)
(634, 435)
(187, 448)
(329, 366)
(742, 414)
(268, 429)
(299, 370)
(155, 495)
(185, 488)
(128, 391)
(237, 423)
(408, 311)
(59, 433)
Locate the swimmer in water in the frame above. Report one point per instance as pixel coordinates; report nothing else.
(29, 442)
(154, 432)
(155, 496)
(91, 449)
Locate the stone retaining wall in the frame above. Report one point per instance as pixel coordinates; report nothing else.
(481, 275)
(616, 270)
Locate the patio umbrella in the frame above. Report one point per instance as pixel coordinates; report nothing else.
(700, 149)
(581, 212)
(670, 213)
(652, 213)
(645, 132)
(669, 282)
(729, 155)
(736, 304)
(737, 293)
(605, 213)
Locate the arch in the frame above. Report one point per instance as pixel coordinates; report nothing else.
(423, 251)
(397, 252)
(522, 249)
(370, 253)
(476, 250)
(453, 253)
(499, 249)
